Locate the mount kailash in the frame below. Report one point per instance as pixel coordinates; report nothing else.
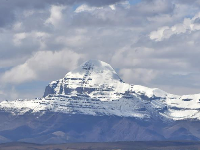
(93, 104)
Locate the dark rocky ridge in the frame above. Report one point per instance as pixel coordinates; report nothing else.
(62, 128)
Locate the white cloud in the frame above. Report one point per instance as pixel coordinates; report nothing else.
(188, 25)
(159, 34)
(112, 7)
(73, 40)
(19, 74)
(85, 7)
(17, 26)
(42, 66)
(17, 39)
(138, 75)
(32, 37)
(132, 57)
(41, 37)
(56, 15)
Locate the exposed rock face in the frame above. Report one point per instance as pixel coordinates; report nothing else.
(52, 128)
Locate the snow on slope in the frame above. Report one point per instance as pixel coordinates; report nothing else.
(94, 88)
(95, 78)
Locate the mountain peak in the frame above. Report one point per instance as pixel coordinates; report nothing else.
(94, 88)
(95, 62)
(95, 69)
(97, 65)
(89, 78)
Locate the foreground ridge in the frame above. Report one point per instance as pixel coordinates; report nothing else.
(95, 89)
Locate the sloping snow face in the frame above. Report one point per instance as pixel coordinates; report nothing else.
(94, 78)
(170, 106)
(95, 89)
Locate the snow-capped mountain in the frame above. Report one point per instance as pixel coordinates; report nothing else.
(93, 104)
(95, 89)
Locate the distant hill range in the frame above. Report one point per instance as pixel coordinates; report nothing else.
(93, 104)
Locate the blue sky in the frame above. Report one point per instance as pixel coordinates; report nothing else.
(149, 42)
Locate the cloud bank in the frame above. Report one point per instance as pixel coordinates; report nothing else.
(149, 42)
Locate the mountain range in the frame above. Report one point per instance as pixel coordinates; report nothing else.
(93, 104)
